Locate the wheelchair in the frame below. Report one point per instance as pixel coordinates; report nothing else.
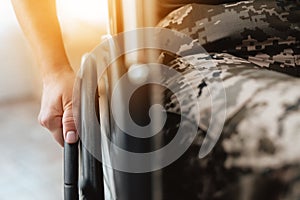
(253, 157)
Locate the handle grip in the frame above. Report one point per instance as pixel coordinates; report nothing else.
(71, 171)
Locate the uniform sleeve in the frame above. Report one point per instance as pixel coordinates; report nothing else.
(263, 32)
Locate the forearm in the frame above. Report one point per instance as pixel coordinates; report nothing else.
(39, 22)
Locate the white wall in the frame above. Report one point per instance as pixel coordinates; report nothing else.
(18, 74)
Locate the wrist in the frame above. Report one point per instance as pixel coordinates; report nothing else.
(52, 62)
(55, 72)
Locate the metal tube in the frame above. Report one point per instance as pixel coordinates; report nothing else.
(130, 186)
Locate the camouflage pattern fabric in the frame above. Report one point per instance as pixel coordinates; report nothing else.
(259, 146)
(267, 33)
(257, 156)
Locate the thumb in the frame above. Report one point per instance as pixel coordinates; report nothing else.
(69, 129)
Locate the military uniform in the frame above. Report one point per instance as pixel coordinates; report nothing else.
(257, 156)
(264, 32)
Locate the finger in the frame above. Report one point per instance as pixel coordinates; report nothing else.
(49, 121)
(58, 136)
(69, 128)
(53, 124)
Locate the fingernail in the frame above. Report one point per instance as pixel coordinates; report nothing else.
(71, 137)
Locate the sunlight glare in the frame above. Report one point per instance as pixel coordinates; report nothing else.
(85, 10)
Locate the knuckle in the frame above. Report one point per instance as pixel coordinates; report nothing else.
(44, 120)
(68, 116)
(68, 120)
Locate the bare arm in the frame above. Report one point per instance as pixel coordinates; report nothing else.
(39, 22)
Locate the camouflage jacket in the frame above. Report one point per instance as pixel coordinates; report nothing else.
(264, 32)
(257, 155)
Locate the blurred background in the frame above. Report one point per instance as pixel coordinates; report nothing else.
(31, 162)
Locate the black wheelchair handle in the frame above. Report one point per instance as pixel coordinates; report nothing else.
(71, 171)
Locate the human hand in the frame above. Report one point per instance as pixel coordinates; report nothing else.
(56, 107)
